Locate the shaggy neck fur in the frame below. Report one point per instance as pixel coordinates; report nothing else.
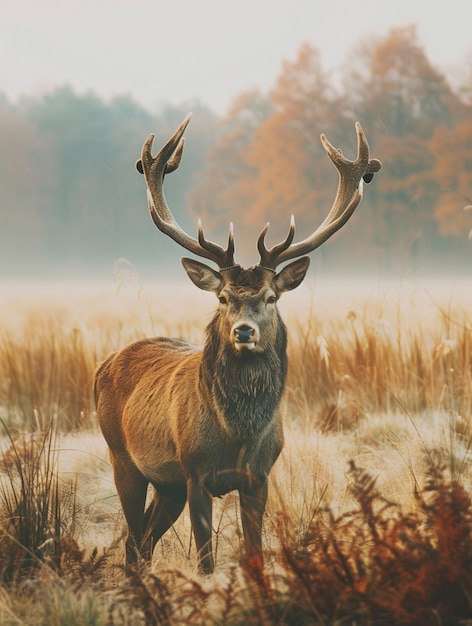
(244, 387)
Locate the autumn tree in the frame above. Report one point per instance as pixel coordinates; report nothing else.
(224, 191)
(402, 98)
(452, 177)
(286, 150)
(391, 81)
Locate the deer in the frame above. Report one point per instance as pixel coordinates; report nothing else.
(197, 422)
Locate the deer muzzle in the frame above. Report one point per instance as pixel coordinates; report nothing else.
(245, 336)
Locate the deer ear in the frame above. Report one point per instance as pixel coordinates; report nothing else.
(292, 275)
(202, 276)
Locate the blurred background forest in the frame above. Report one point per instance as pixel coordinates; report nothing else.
(72, 202)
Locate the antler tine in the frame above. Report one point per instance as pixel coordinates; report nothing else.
(226, 257)
(348, 197)
(154, 170)
(268, 257)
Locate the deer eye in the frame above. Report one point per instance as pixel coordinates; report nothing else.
(271, 300)
(222, 300)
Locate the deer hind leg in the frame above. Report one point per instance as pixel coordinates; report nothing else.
(132, 488)
(162, 512)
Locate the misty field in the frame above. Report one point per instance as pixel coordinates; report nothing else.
(369, 520)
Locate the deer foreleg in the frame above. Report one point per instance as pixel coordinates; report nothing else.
(201, 507)
(253, 498)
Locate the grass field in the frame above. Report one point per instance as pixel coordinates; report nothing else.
(369, 519)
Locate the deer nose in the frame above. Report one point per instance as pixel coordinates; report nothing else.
(244, 333)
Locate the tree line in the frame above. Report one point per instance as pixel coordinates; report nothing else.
(71, 199)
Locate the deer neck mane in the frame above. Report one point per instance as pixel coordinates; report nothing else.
(244, 388)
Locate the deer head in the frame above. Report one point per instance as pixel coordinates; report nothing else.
(262, 284)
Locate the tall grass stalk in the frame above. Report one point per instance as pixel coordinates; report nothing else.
(362, 362)
(37, 511)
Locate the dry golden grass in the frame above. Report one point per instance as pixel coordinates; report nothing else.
(369, 519)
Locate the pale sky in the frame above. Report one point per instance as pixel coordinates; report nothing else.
(176, 50)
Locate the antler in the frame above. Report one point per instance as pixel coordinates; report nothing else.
(154, 170)
(348, 196)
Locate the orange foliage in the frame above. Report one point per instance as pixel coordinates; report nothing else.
(269, 162)
(286, 149)
(453, 177)
(379, 565)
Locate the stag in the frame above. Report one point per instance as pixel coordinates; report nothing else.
(199, 422)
